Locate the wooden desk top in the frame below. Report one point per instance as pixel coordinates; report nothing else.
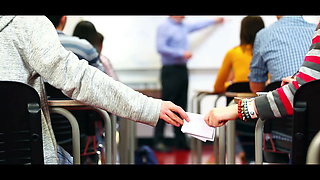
(64, 103)
(240, 95)
(228, 94)
(207, 92)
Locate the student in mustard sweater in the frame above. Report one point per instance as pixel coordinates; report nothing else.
(236, 64)
(236, 68)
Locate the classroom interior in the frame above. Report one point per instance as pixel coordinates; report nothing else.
(129, 43)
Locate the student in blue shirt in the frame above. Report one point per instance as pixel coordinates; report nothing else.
(81, 47)
(173, 46)
(279, 50)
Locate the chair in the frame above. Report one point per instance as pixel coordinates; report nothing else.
(306, 121)
(272, 86)
(313, 154)
(276, 149)
(20, 125)
(238, 87)
(54, 93)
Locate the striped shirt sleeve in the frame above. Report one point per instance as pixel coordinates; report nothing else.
(279, 103)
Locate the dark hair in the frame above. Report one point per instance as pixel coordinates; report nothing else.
(99, 42)
(250, 25)
(55, 20)
(86, 30)
(100, 37)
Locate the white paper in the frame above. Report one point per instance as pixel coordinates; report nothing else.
(198, 128)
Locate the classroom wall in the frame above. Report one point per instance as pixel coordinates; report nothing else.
(130, 40)
(130, 45)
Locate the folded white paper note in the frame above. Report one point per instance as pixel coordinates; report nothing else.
(198, 128)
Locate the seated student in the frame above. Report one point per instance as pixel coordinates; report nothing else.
(279, 50)
(83, 48)
(235, 68)
(104, 60)
(236, 64)
(86, 30)
(31, 51)
(277, 103)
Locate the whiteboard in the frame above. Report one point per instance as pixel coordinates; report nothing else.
(130, 40)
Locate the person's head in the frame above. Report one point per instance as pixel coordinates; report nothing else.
(178, 19)
(86, 30)
(250, 25)
(59, 22)
(100, 39)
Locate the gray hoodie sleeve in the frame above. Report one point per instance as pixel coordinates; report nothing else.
(46, 56)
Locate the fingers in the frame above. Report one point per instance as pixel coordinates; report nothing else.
(173, 114)
(284, 81)
(221, 123)
(170, 120)
(287, 80)
(174, 117)
(206, 119)
(182, 113)
(212, 121)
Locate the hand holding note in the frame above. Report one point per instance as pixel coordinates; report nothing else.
(198, 128)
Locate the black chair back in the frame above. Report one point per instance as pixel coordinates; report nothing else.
(20, 125)
(241, 87)
(306, 120)
(54, 93)
(272, 86)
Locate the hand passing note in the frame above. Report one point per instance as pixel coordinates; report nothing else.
(171, 113)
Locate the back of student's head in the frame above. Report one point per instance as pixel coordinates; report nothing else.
(86, 30)
(99, 44)
(250, 25)
(55, 20)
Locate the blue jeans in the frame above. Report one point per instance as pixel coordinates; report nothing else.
(64, 156)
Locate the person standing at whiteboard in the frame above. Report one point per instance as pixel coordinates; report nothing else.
(173, 46)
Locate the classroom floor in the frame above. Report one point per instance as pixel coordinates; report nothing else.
(184, 157)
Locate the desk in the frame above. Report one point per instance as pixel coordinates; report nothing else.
(62, 107)
(240, 94)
